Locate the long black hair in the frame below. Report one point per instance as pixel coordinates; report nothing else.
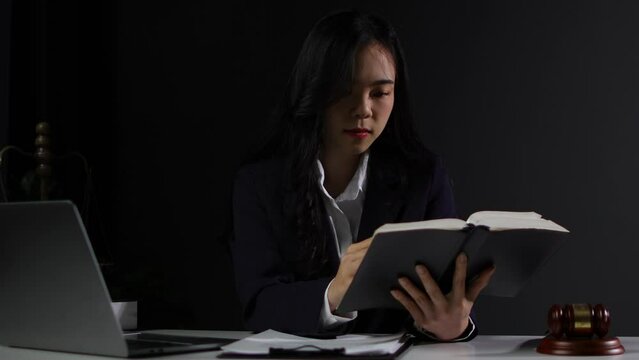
(323, 74)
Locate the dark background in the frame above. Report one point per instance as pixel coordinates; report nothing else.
(5, 16)
(533, 104)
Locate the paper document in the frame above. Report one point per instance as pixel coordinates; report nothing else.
(264, 342)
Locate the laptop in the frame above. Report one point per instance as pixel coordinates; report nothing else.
(53, 295)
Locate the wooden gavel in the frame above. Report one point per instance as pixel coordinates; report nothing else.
(578, 320)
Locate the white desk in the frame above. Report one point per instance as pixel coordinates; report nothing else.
(482, 347)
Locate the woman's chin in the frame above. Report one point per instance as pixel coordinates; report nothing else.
(360, 148)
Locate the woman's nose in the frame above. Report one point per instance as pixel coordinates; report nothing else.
(362, 108)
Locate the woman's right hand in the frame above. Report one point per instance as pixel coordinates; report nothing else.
(347, 268)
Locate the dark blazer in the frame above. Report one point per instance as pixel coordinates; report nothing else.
(273, 286)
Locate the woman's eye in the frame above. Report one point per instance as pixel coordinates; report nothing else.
(380, 93)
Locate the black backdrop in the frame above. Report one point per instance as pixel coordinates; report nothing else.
(533, 104)
(5, 25)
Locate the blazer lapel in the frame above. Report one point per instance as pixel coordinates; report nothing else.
(384, 198)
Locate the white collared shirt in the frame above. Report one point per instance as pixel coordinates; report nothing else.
(344, 216)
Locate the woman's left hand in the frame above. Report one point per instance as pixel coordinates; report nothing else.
(445, 316)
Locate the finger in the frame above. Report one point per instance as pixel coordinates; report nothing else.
(355, 253)
(364, 244)
(479, 283)
(418, 296)
(430, 285)
(409, 305)
(459, 278)
(353, 260)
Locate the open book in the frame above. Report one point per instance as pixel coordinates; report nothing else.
(517, 243)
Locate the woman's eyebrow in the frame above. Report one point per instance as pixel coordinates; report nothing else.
(382, 82)
(376, 82)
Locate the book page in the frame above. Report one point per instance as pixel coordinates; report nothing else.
(479, 216)
(511, 223)
(439, 224)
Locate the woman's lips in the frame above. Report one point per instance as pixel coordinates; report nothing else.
(358, 133)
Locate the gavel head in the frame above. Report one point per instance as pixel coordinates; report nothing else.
(578, 320)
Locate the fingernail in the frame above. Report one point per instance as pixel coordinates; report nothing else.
(421, 269)
(462, 258)
(394, 293)
(402, 280)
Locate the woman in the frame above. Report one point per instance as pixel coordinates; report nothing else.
(343, 160)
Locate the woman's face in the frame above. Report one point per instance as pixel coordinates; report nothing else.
(354, 122)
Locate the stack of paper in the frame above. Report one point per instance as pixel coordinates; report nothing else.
(264, 342)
